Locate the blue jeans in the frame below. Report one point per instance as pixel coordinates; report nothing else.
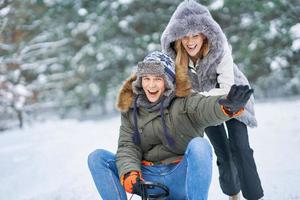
(190, 179)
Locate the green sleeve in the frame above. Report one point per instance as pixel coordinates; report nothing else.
(204, 111)
(129, 155)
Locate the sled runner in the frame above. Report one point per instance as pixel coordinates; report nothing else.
(148, 188)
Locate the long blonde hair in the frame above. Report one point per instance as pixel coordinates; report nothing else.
(183, 83)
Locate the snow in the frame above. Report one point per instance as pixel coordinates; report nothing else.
(296, 45)
(125, 1)
(82, 11)
(21, 90)
(4, 11)
(48, 160)
(216, 5)
(295, 30)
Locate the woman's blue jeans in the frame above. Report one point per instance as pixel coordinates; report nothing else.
(190, 179)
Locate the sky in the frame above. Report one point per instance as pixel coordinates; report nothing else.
(48, 160)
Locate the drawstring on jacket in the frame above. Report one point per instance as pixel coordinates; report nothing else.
(170, 140)
(136, 136)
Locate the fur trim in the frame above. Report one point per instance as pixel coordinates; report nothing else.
(125, 97)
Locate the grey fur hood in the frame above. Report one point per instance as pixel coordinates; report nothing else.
(192, 17)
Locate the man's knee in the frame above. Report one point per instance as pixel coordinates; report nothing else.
(98, 158)
(199, 146)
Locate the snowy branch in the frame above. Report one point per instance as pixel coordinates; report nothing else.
(35, 65)
(41, 48)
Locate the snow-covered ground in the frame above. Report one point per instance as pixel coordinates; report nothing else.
(47, 160)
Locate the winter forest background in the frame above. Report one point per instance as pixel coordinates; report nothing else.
(67, 58)
(62, 63)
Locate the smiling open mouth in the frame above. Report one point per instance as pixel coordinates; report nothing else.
(153, 93)
(191, 47)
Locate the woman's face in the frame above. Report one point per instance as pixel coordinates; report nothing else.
(193, 43)
(153, 86)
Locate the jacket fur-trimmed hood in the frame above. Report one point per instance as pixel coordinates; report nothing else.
(125, 97)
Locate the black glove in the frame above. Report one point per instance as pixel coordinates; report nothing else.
(237, 98)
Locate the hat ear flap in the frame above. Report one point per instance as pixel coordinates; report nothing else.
(125, 97)
(183, 83)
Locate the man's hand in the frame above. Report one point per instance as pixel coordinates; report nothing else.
(236, 99)
(132, 182)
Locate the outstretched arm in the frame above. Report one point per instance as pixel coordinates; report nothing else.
(225, 71)
(209, 111)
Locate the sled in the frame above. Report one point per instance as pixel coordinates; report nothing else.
(148, 188)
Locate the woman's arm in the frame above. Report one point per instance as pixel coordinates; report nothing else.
(225, 73)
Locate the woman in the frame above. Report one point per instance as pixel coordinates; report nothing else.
(199, 47)
(161, 135)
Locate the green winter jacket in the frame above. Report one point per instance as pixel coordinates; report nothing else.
(185, 117)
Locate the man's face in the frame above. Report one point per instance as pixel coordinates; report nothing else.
(153, 86)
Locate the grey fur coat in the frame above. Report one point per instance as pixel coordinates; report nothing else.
(192, 18)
